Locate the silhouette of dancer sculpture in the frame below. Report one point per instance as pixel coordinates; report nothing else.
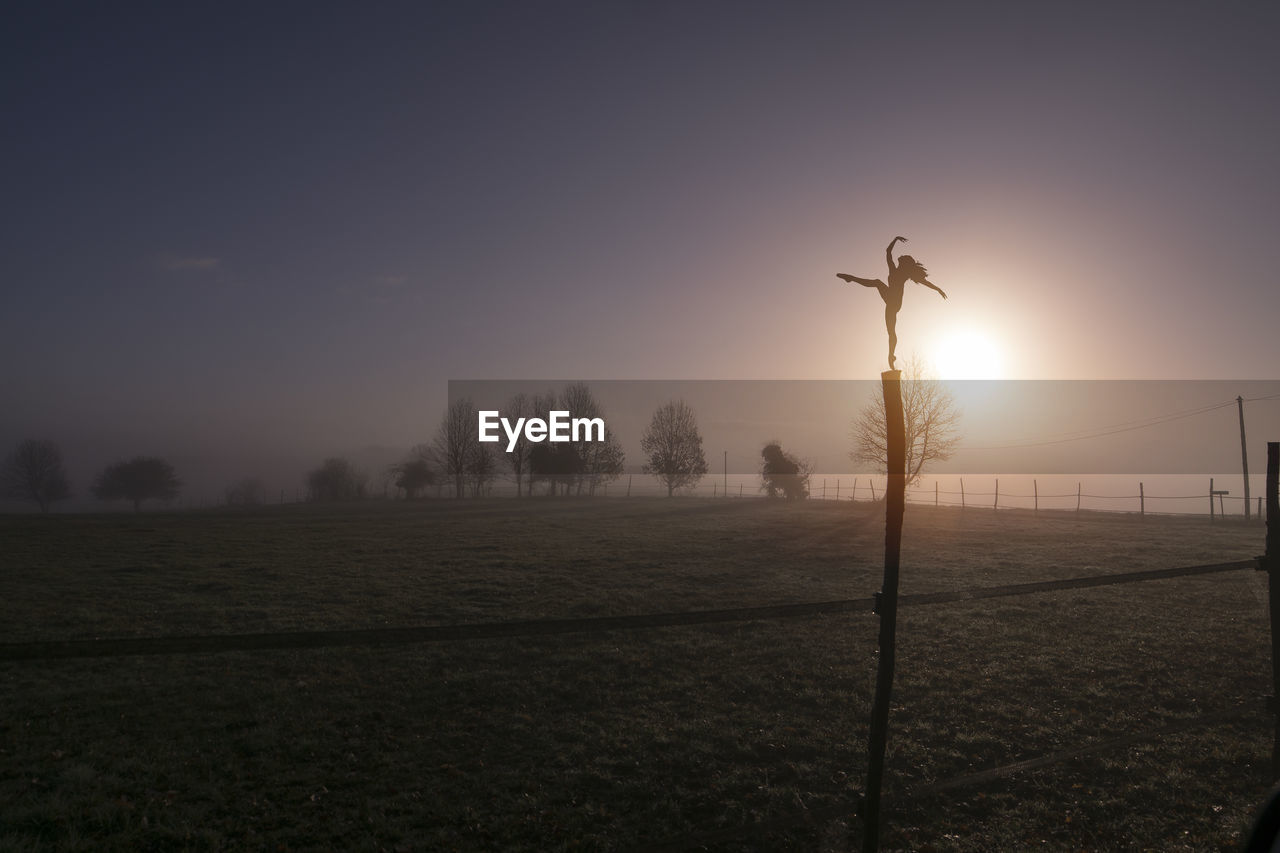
(907, 267)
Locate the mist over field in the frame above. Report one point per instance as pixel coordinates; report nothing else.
(1027, 427)
(264, 587)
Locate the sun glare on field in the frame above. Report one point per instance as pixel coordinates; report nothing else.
(967, 355)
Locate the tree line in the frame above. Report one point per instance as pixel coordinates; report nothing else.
(35, 472)
(456, 460)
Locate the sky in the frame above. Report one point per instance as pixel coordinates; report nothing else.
(270, 229)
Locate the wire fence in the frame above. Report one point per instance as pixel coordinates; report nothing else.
(1109, 494)
(970, 492)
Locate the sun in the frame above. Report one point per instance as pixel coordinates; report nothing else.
(967, 354)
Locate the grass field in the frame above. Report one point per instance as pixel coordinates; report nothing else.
(623, 739)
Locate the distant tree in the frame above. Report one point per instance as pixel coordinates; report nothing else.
(604, 461)
(594, 462)
(673, 447)
(482, 468)
(336, 480)
(140, 479)
(931, 418)
(457, 441)
(415, 473)
(34, 472)
(520, 406)
(782, 473)
(548, 462)
(556, 464)
(246, 492)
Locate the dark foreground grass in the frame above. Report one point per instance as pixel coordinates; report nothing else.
(626, 739)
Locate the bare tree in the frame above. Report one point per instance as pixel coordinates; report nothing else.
(673, 447)
(34, 472)
(520, 406)
(456, 441)
(932, 423)
(482, 469)
(140, 479)
(596, 462)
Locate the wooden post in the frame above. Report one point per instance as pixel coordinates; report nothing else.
(628, 485)
(962, 492)
(853, 495)
(1035, 485)
(824, 490)
(996, 505)
(1271, 562)
(873, 491)
(935, 492)
(714, 487)
(739, 490)
(1142, 501)
(887, 603)
(837, 490)
(1077, 498)
(1211, 499)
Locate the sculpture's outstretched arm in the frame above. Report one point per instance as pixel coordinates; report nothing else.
(933, 286)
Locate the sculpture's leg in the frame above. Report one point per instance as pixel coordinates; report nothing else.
(891, 323)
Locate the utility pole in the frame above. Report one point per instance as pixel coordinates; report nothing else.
(1244, 456)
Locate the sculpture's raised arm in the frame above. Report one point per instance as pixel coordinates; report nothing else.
(888, 253)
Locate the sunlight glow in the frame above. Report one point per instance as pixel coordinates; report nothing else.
(967, 354)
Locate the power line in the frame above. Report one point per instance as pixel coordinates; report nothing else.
(1099, 432)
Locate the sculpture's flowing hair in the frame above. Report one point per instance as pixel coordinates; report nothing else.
(913, 269)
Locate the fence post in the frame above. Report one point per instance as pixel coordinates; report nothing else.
(1211, 499)
(629, 485)
(1271, 562)
(714, 489)
(962, 492)
(853, 495)
(824, 490)
(1035, 486)
(996, 505)
(1244, 456)
(887, 603)
(1142, 501)
(1077, 498)
(935, 492)
(873, 491)
(739, 490)
(837, 490)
